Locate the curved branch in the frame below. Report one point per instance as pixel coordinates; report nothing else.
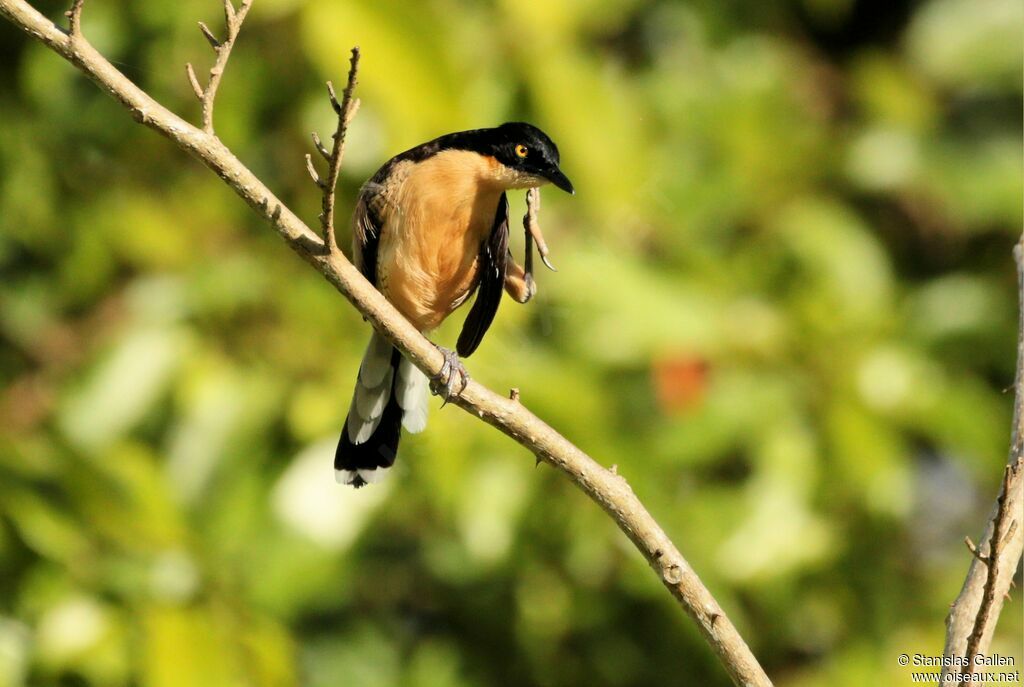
(972, 618)
(605, 487)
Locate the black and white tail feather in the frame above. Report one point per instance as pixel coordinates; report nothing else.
(390, 393)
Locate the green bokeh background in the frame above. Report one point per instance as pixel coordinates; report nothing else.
(785, 309)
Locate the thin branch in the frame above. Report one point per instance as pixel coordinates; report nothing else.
(991, 561)
(326, 154)
(973, 617)
(346, 110)
(74, 16)
(233, 21)
(604, 487)
(196, 88)
(208, 35)
(314, 175)
(974, 550)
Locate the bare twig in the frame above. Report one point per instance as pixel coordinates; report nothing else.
(210, 38)
(346, 110)
(604, 487)
(991, 561)
(974, 550)
(74, 16)
(313, 174)
(324, 153)
(233, 21)
(196, 88)
(973, 617)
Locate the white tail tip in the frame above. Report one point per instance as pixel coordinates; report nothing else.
(361, 476)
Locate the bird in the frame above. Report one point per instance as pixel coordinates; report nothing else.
(429, 229)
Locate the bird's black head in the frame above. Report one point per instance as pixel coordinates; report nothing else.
(529, 157)
(528, 150)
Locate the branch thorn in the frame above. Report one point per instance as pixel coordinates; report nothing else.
(974, 550)
(334, 98)
(320, 147)
(312, 171)
(196, 88)
(210, 38)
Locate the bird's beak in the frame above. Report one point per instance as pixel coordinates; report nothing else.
(556, 177)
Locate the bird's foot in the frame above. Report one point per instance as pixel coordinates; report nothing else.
(444, 382)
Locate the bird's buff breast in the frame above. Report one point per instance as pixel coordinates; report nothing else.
(430, 244)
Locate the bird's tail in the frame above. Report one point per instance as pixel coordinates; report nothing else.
(390, 393)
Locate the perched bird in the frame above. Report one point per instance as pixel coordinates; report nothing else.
(429, 229)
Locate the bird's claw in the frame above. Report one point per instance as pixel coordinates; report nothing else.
(531, 287)
(444, 382)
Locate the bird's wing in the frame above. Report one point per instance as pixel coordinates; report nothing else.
(366, 226)
(491, 267)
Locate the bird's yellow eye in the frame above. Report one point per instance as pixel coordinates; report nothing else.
(521, 150)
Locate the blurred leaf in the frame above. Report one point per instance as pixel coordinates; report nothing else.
(124, 387)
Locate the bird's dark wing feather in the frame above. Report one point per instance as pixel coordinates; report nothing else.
(366, 226)
(491, 283)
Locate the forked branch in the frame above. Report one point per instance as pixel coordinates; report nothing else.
(605, 487)
(233, 22)
(345, 109)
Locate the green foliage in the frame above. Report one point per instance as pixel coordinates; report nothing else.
(785, 309)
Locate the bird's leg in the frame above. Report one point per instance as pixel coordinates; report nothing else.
(443, 383)
(528, 221)
(519, 281)
(533, 232)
